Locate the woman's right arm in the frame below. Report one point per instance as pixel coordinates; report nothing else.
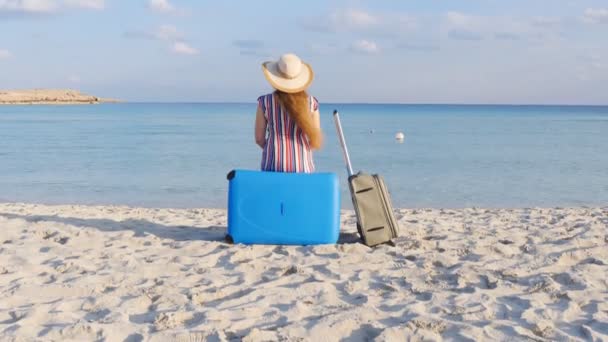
(317, 119)
(260, 127)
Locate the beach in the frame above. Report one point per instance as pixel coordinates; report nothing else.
(116, 273)
(482, 125)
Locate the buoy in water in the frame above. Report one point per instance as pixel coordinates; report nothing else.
(400, 137)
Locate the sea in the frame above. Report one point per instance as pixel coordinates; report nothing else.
(177, 155)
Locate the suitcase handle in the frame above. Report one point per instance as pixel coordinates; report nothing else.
(349, 168)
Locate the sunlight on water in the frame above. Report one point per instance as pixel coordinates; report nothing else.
(178, 155)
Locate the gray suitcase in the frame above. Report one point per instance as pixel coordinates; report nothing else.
(371, 200)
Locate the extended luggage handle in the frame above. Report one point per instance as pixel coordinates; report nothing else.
(349, 167)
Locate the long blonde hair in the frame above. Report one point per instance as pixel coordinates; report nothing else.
(298, 109)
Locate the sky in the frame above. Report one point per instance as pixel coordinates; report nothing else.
(408, 51)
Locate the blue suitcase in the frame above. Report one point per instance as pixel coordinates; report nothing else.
(283, 208)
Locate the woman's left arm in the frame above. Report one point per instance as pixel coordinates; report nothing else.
(260, 128)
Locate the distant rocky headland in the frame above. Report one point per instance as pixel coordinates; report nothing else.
(49, 96)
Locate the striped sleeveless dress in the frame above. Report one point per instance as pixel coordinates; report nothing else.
(287, 148)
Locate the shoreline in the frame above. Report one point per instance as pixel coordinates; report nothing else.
(119, 272)
(348, 209)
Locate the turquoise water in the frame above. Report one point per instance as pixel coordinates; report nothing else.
(177, 155)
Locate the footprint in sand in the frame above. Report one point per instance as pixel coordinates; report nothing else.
(565, 279)
(79, 331)
(543, 329)
(435, 237)
(134, 338)
(108, 289)
(509, 275)
(294, 269)
(593, 261)
(62, 240)
(170, 320)
(14, 317)
(47, 234)
(197, 297)
(511, 307)
(528, 248)
(67, 268)
(487, 283)
(434, 326)
(463, 252)
(281, 250)
(96, 315)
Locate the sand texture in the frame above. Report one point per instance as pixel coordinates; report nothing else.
(48, 96)
(110, 273)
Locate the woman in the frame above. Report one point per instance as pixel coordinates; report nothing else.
(287, 125)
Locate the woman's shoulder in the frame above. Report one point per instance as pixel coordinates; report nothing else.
(265, 96)
(314, 103)
(265, 101)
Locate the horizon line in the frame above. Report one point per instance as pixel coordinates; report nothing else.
(382, 103)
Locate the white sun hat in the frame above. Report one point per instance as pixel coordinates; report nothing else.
(288, 74)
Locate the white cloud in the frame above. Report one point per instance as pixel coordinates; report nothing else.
(248, 43)
(464, 34)
(355, 20)
(251, 47)
(4, 54)
(27, 6)
(591, 67)
(364, 46)
(163, 6)
(596, 16)
(505, 35)
(163, 33)
(460, 26)
(324, 48)
(596, 61)
(459, 19)
(183, 48)
(341, 21)
(74, 79)
(87, 4)
(167, 32)
(422, 47)
(463, 26)
(546, 22)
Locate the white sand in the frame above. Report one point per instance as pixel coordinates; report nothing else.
(130, 274)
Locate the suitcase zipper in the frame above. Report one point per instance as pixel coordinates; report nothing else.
(359, 228)
(388, 207)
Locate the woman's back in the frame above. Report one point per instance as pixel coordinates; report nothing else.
(287, 147)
